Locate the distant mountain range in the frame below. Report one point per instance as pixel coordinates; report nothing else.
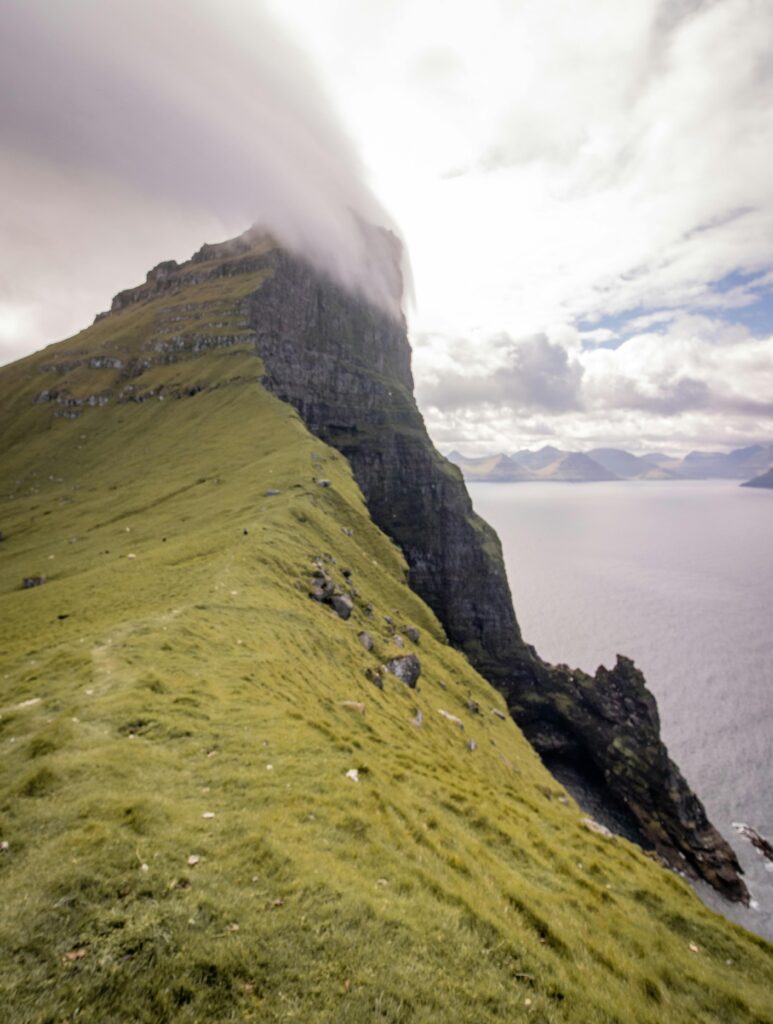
(549, 463)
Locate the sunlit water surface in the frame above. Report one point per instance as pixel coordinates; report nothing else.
(679, 576)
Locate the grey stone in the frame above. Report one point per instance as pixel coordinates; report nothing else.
(406, 667)
(32, 581)
(366, 640)
(342, 605)
(412, 633)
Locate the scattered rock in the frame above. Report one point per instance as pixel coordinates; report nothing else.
(193, 860)
(346, 573)
(5, 846)
(323, 483)
(473, 706)
(368, 610)
(412, 633)
(441, 684)
(754, 837)
(472, 745)
(342, 605)
(381, 881)
(499, 714)
(366, 640)
(132, 556)
(245, 531)
(451, 718)
(347, 530)
(417, 719)
(353, 774)
(29, 703)
(694, 948)
(406, 667)
(375, 678)
(597, 827)
(398, 641)
(270, 493)
(32, 581)
(232, 927)
(389, 620)
(354, 705)
(208, 814)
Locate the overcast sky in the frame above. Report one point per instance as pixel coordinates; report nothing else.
(585, 188)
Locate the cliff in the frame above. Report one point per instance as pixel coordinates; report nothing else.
(345, 366)
(219, 802)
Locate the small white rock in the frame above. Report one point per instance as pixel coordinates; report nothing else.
(193, 860)
(131, 556)
(694, 948)
(353, 774)
(144, 867)
(29, 703)
(269, 767)
(208, 814)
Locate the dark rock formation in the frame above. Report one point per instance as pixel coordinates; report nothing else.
(346, 367)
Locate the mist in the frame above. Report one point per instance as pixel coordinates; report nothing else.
(135, 131)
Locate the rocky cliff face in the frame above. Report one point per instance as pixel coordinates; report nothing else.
(345, 366)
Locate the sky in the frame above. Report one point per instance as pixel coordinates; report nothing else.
(583, 188)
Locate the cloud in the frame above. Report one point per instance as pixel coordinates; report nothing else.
(695, 376)
(536, 374)
(134, 131)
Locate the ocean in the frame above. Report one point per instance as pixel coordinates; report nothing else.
(678, 576)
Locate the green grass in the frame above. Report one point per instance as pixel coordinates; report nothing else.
(446, 885)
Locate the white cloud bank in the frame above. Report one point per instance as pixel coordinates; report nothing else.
(596, 165)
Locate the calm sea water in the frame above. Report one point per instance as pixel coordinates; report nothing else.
(679, 576)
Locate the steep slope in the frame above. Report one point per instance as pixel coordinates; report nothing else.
(346, 367)
(197, 677)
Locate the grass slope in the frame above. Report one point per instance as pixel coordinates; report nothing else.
(197, 677)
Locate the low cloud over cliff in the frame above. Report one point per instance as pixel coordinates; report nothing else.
(134, 131)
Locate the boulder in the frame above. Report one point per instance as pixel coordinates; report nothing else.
(342, 605)
(366, 640)
(407, 668)
(412, 633)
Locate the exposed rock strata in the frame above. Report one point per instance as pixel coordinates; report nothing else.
(345, 366)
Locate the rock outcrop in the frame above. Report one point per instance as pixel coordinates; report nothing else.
(345, 365)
